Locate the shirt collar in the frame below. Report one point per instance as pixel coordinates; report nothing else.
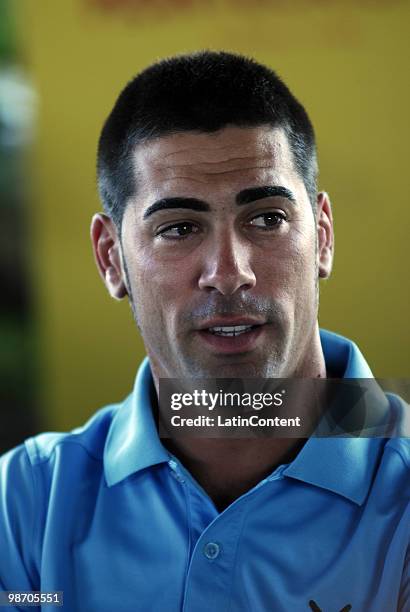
(342, 465)
(133, 442)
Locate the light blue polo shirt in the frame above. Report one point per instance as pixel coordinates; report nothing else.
(108, 516)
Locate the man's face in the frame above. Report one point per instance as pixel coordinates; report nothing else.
(220, 249)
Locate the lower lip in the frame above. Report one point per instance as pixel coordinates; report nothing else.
(232, 344)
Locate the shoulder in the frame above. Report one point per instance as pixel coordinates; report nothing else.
(400, 439)
(44, 451)
(399, 418)
(89, 438)
(51, 463)
(393, 472)
(45, 475)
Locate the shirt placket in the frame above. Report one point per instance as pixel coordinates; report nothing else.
(214, 544)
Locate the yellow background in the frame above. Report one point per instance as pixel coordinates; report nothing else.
(348, 65)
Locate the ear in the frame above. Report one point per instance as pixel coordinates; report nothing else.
(325, 235)
(107, 253)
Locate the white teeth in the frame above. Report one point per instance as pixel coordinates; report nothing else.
(232, 330)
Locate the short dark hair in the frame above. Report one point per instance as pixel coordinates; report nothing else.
(202, 92)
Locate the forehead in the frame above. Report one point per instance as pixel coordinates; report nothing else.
(233, 156)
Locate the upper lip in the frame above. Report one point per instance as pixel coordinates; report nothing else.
(230, 321)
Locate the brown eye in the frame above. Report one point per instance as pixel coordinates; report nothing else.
(178, 231)
(268, 220)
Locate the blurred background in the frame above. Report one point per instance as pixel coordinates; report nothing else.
(66, 349)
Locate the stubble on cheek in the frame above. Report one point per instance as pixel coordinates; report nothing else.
(152, 298)
(306, 300)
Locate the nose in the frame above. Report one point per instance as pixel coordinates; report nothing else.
(226, 265)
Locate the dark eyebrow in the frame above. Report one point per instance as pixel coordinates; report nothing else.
(243, 197)
(191, 203)
(258, 193)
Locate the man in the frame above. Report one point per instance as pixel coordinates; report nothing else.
(214, 231)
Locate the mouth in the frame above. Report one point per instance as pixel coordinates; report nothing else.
(230, 331)
(231, 337)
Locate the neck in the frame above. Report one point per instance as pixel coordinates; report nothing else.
(227, 468)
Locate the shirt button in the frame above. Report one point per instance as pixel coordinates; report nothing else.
(212, 550)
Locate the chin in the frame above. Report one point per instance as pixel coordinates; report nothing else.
(241, 369)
